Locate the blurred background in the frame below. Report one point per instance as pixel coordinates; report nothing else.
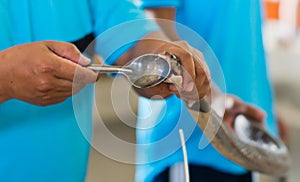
(282, 44)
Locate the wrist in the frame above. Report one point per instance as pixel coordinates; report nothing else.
(4, 79)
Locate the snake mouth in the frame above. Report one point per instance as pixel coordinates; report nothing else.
(253, 133)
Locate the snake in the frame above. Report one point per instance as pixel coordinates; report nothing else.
(249, 145)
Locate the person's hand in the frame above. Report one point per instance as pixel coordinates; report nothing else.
(284, 131)
(42, 73)
(234, 107)
(196, 76)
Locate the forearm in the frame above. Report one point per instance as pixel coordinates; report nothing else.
(3, 78)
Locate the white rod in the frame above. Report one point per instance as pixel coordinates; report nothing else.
(185, 158)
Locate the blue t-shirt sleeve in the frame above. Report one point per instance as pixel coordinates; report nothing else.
(5, 28)
(118, 24)
(157, 3)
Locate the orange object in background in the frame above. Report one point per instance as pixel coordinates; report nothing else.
(298, 16)
(272, 9)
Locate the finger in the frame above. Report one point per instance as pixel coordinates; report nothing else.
(239, 107)
(173, 88)
(68, 87)
(62, 85)
(70, 71)
(77, 88)
(52, 101)
(205, 90)
(67, 51)
(193, 95)
(187, 61)
(84, 76)
(180, 49)
(254, 113)
(50, 98)
(283, 130)
(202, 69)
(54, 95)
(203, 78)
(200, 59)
(229, 120)
(58, 94)
(201, 89)
(98, 59)
(162, 90)
(64, 49)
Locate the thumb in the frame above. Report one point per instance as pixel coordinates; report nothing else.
(67, 51)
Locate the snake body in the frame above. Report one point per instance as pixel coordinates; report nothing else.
(249, 145)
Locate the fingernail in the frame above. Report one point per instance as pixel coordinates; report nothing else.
(84, 60)
(190, 87)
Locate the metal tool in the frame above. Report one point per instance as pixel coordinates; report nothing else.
(144, 71)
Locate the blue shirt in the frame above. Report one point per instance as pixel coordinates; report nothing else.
(45, 143)
(233, 31)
